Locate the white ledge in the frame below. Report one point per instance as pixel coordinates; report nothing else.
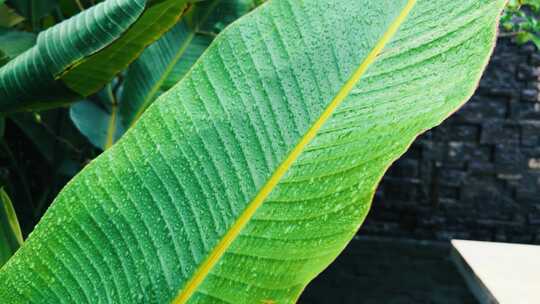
(500, 272)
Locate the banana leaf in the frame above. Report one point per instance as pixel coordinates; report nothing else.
(248, 177)
(79, 56)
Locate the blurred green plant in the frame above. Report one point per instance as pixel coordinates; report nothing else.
(10, 232)
(521, 20)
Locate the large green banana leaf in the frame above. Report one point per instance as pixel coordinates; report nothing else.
(80, 55)
(245, 180)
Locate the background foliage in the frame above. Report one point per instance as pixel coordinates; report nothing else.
(521, 20)
(40, 151)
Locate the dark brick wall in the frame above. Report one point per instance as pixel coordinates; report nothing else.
(477, 176)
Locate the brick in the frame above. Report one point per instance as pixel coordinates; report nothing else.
(407, 168)
(530, 134)
(451, 177)
(529, 95)
(526, 110)
(449, 194)
(480, 108)
(499, 132)
(463, 133)
(526, 72)
(535, 59)
(509, 156)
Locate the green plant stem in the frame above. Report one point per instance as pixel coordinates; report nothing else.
(509, 34)
(79, 5)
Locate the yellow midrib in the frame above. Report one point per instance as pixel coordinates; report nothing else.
(111, 129)
(202, 272)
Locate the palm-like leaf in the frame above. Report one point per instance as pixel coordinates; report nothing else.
(80, 55)
(245, 180)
